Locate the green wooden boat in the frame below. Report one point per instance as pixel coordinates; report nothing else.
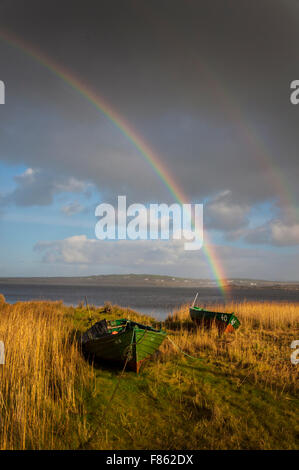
(226, 322)
(122, 340)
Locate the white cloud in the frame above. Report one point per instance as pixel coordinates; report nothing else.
(164, 257)
(81, 250)
(72, 208)
(275, 232)
(36, 187)
(284, 235)
(71, 185)
(28, 175)
(221, 213)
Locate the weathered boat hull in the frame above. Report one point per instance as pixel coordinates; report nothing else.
(132, 343)
(225, 322)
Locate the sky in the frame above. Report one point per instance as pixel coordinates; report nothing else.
(205, 84)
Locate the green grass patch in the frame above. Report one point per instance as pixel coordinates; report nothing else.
(180, 403)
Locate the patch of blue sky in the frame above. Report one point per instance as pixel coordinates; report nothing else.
(7, 176)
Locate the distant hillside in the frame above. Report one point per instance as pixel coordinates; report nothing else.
(144, 280)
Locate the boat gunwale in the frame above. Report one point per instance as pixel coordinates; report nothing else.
(201, 309)
(129, 326)
(208, 313)
(108, 336)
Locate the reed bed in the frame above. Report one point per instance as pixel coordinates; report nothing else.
(242, 395)
(43, 380)
(260, 348)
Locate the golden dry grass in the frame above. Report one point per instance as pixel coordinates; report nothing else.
(242, 395)
(261, 346)
(41, 406)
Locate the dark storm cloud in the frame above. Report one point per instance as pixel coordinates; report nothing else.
(205, 83)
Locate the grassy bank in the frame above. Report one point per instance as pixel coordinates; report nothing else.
(242, 392)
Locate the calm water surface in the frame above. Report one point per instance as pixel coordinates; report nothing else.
(156, 301)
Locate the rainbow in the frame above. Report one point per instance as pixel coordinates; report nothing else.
(250, 135)
(233, 110)
(147, 153)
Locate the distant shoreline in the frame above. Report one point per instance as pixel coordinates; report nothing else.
(144, 280)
